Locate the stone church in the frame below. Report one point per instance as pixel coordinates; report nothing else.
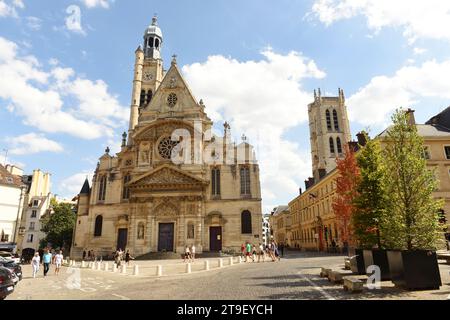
(173, 183)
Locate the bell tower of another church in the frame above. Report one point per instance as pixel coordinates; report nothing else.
(329, 131)
(148, 72)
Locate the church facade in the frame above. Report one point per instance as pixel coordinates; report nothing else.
(173, 183)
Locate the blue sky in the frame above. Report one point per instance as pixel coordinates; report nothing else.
(66, 84)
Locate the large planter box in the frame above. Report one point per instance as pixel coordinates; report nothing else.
(357, 265)
(414, 270)
(378, 258)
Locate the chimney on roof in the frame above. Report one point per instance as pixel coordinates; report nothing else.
(411, 118)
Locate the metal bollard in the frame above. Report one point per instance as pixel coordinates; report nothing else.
(136, 270)
(188, 268)
(206, 265)
(159, 270)
(220, 263)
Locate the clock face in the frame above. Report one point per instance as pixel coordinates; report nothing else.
(148, 76)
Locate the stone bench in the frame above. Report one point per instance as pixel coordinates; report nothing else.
(353, 284)
(325, 272)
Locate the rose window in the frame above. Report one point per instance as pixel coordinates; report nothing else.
(166, 147)
(172, 100)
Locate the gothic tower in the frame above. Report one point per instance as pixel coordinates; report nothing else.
(329, 132)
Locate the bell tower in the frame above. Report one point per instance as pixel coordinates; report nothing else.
(148, 72)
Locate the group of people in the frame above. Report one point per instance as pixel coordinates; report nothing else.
(189, 253)
(48, 257)
(120, 256)
(90, 255)
(252, 252)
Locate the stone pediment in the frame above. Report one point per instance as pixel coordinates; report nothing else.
(167, 177)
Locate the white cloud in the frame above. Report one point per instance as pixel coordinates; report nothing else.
(8, 8)
(418, 18)
(71, 186)
(419, 51)
(34, 23)
(262, 99)
(57, 100)
(372, 104)
(32, 143)
(97, 3)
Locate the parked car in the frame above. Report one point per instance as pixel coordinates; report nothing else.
(11, 265)
(10, 256)
(6, 283)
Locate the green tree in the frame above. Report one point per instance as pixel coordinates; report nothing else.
(370, 200)
(412, 219)
(59, 226)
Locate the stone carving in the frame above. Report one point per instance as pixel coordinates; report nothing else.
(167, 176)
(140, 234)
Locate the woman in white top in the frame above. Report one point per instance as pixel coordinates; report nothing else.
(58, 262)
(35, 262)
(193, 252)
(187, 254)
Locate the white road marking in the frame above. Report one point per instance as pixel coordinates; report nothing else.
(121, 297)
(323, 292)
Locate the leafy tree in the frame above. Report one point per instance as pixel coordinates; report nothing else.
(412, 221)
(345, 193)
(370, 202)
(59, 226)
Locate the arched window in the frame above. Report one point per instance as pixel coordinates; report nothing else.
(246, 222)
(245, 180)
(339, 145)
(150, 42)
(335, 120)
(142, 99)
(125, 189)
(332, 150)
(215, 182)
(328, 116)
(102, 189)
(98, 226)
(156, 43)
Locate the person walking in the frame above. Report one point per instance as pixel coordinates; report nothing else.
(249, 252)
(254, 253)
(272, 251)
(261, 253)
(84, 254)
(89, 255)
(128, 257)
(58, 262)
(47, 259)
(282, 249)
(35, 262)
(187, 254)
(243, 251)
(193, 253)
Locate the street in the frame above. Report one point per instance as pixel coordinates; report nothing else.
(295, 277)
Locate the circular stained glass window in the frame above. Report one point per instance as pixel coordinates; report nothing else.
(166, 147)
(172, 100)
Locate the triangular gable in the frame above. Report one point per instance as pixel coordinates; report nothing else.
(173, 82)
(166, 177)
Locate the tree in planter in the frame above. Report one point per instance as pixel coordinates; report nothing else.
(370, 201)
(59, 226)
(412, 219)
(345, 193)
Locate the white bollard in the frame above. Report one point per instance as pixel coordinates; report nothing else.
(92, 265)
(231, 261)
(83, 264)
(124, 269)
(136, 270)
(206, 265)
(159, 270)
(220, 263)
(99, 266)
(106, 266)
(188, 268)
(114, 269)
